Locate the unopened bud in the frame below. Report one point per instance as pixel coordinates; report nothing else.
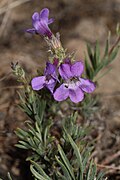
(18, 71)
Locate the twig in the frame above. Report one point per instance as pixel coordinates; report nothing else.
(12, 5)
(5, 77)
(108, 167)
(111, 158)
(3, 106)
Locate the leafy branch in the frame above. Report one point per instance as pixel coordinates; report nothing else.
(81, 168)
(94, 63)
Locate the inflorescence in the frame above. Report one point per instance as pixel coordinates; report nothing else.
(61, 76)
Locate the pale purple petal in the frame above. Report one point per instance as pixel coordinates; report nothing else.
(51, 20)
(61, 93)
(76, 95)
(65, 71)
(32, 30)
(44, 14)
(87, 85)
(35, 16)
(51, 85)
(38, 82)
(77, 68)
(40, 27)
(50, 68)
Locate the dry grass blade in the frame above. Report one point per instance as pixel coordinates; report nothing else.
(13, 5)
(5, 20)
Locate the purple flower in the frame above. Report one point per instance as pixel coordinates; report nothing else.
(74, 86)
(40, 23)
(48, 80)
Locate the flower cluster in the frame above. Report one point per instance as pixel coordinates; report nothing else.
(73, 85)
(62, 78)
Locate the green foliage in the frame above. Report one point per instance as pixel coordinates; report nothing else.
(73, 128)
(36, 138)
(76, 167)
(9, 176)
(38, 172)
(52, 158)
(89, 105)
(94, 62)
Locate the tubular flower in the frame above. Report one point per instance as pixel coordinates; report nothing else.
(74, 86)
(48, 80)
(40, 23)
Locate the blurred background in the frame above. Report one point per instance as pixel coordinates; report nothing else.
(78, 21)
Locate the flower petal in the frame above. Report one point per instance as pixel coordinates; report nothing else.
(87, 85)
(77, 68)
(50, 68)
(35, 16)
(32, 30)
(40, 27)
(61, 93)
(51, 20)
(76, 95)
(51, 84)
(44, 13)
(65, 71)
(38, 82)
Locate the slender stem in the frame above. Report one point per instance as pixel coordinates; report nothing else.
(114, 45)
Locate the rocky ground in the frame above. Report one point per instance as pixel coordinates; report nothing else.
(78, 22)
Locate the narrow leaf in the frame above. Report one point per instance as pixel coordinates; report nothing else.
(100, 176)
(77, 153)
(66, 161)
(64, 169)
(21, 146)
(9, 176)
(94, 172)
(42, 172)
(24, 144)
(89, 70)
(89, 171)
(62, 177)
(36, 174)
(96, 55)
(89, 51)
(113, 54)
